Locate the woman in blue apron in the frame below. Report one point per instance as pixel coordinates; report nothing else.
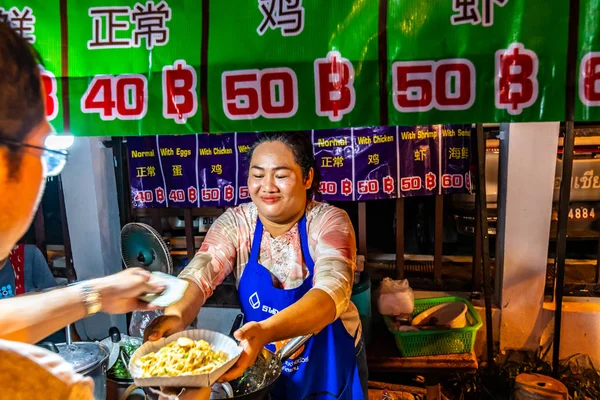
(293, 260)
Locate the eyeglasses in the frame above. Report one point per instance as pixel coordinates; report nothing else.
(53, 161)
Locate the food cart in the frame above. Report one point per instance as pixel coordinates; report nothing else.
(393, 94)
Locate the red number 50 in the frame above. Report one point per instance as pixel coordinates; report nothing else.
(420, 86)
(271, 93)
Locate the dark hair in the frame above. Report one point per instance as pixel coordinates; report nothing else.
(302, 149)
(21, 103)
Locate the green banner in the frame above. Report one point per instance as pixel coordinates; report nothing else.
(587, 102)
(117, 67)
(467, 60)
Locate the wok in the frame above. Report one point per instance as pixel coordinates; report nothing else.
(258, 380)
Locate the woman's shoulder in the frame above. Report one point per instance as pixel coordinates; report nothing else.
(319, 212)
(246, 211)
(241, 215)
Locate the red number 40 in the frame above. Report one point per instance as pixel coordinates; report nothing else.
(123, 97)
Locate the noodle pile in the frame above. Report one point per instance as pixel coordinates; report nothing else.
(182, 357)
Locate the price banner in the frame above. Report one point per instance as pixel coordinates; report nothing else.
(360, 164)
(148, 188)
(243, 144)
(125, 68)
(419, 158)
(587, 106)
(329, 79)
(455, 159)
(216, 168)
(456, 61)
(178, 159)
(334, 155)
(376, 163)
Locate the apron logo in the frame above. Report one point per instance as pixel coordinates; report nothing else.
(254, 301)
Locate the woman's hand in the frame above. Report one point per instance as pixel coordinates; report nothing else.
(253, 338)
(163, 326)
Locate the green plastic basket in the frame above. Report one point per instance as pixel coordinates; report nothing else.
(433, 343)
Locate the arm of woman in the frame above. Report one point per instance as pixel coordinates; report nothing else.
(335, 263)
(31, 318)
(209, 267)
(334, 257)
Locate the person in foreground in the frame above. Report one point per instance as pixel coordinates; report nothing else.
(26, 371)
(294, 262)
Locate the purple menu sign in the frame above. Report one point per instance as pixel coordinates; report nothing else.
(145, 179)
(217, 169)
(243, 142)
(375, 163)
(418, 160)
(333, 154)
(178, 160)
(456, 145)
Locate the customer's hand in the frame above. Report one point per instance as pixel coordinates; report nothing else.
(120, 292)
(188, 394)
(163, 326)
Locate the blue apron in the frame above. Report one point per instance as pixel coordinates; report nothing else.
(325, 368)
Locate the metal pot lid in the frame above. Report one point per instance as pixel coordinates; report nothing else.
(83, 355)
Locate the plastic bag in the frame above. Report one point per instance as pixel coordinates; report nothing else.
(396, 298)
(140, 321)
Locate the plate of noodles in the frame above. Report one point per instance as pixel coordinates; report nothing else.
(194, 358)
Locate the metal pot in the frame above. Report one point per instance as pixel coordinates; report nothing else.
(88, 359)
(119, 387)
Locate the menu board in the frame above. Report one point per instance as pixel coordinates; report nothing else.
(160, 67)
(360, 164)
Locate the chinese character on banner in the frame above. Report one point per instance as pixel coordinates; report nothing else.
(151, 171)
(455, 153)
(216, 169)
(338, 161)
(287, 15)
(373, 159)
(22, 21)
(141, 172)
(420, 154)
(467, 11)
(464, 153)
(177, 170)
(327, 162)
(150, 22)
(106, 24)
